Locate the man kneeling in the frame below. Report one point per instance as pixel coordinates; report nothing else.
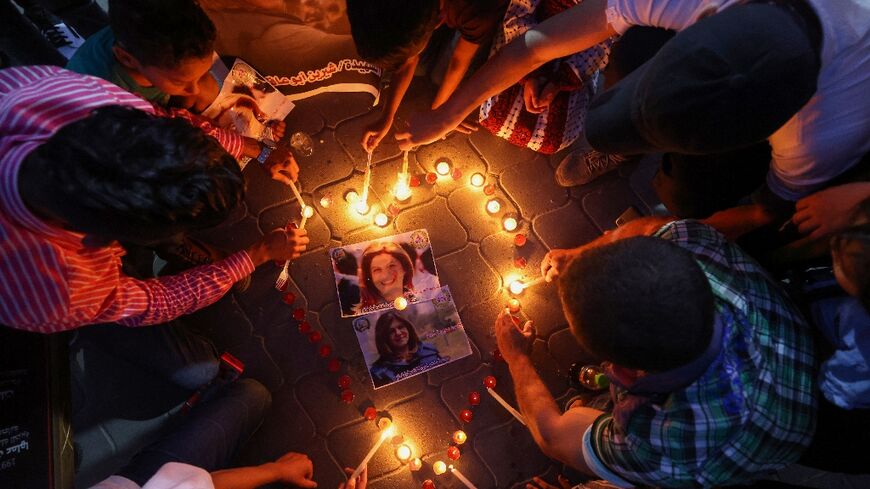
(711, 366)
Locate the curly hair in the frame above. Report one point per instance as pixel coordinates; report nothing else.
(121, 173)
(382, 334)
(369, 294)
(389, 32)
(162, 33)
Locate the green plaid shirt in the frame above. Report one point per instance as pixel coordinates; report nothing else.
(752, 412)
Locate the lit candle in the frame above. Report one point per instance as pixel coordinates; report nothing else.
(439, 467)
(516, 287)
(307, 212)
(442, 168)
(351, 196)
(367, 180)
(297, 194)
(510, 223)
(516, 414)
(514, 306)
(415, 464)
(493, 206)
(361, 207)
(459, 437)
(381, 219)
(325, 202)
(388, 432)
(462, 478)
(400, 303)
(478, 180)
(403, 452)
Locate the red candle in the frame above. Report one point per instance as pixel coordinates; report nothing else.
(489, 381)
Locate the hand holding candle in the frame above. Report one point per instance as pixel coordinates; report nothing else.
(385, 434)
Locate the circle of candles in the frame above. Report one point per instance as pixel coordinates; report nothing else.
(474, 398)
(443, 167)
(304, 327)
(347, 396)
(288, 297)
(362, 207)
(344, 381)
(400, 303)
(384, 423)
(325, 351)
(428, 484)
(514, 306)
(520, 240)
(381, 219)
(489, 381)
(493, 206)
(477, 180)
(314, 337)
(307, 211)
(516, 287)
(299, 314)
(459, 437)
(370, 413)
(439, 467)
(415, 464)
(351, 196)
(510, 223)
(403, 452)
(466, 415)
(325, 202)
(431, 178)
(489, 189)
(333, 365)
(453, 453)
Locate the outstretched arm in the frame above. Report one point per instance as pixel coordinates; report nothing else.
(569, 32)
(399, 84)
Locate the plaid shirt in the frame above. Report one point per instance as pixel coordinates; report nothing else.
(752, 412)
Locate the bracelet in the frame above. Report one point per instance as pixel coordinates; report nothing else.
(264, 154)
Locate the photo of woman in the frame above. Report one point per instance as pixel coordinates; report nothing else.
(400, 349)
(386, 269)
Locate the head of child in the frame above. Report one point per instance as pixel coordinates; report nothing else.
(168, 44)
(850, 251)
(641, 303)
(387, 33)
(143, 180)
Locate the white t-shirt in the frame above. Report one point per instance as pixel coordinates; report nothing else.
(171, 476)
(831, 132)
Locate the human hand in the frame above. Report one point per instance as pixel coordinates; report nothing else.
(538, 483)
(427, 127)
(466, 127)
(513, 339)
(538, 94)
(294, 468)
(829, 211)
(375, 132)
(279, 245)
(555, 261)
(282, 165)
(278, 128)
(360, 482)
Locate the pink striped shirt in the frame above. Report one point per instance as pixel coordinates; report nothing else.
(49, 280)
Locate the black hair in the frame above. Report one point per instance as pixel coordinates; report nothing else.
(642, 303)
(389, 32)
(855, 264)
(162, 33)
(123, 174)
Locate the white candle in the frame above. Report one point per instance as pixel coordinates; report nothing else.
(493, 206)
(508, 407)
(381, 219)
(510, 223)
(384, 435)
(367, 180)
(442, 168)
(477, 180)
(462, 478)
(297, 194)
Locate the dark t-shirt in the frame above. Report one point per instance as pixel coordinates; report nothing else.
(476, 20)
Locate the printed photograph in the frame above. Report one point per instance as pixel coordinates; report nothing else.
(398, 345)
(371, 275)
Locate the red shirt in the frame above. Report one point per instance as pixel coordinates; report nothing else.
(49, 280)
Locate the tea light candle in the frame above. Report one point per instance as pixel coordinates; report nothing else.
(351, 196)
(325, 202)
(510, 223)
(400, 303)
(514, 306)
(403, 452)
(402, 192)
(493, 206)
(459, 437)
(477, 180)
(381, 219)
(415, 464)
(516, 287)
(361, 207)
(439, 467)
(442, 168)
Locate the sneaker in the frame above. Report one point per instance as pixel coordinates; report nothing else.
(584, 165)
(63, 37)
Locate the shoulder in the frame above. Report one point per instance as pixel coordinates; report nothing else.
(476, 20)
(668, 14)
(95, 57)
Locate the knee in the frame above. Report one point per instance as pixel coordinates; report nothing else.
(197, 374)
(254, 395)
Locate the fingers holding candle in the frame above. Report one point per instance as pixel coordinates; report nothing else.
(358, 482)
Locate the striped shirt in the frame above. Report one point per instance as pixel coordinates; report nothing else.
(751, 413)
(49, 280)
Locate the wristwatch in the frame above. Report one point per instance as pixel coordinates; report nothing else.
(264, 154)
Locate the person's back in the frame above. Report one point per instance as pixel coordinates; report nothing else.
(741, 404)
(160, 50)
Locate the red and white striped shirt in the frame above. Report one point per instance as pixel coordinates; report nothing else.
(49, 280)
